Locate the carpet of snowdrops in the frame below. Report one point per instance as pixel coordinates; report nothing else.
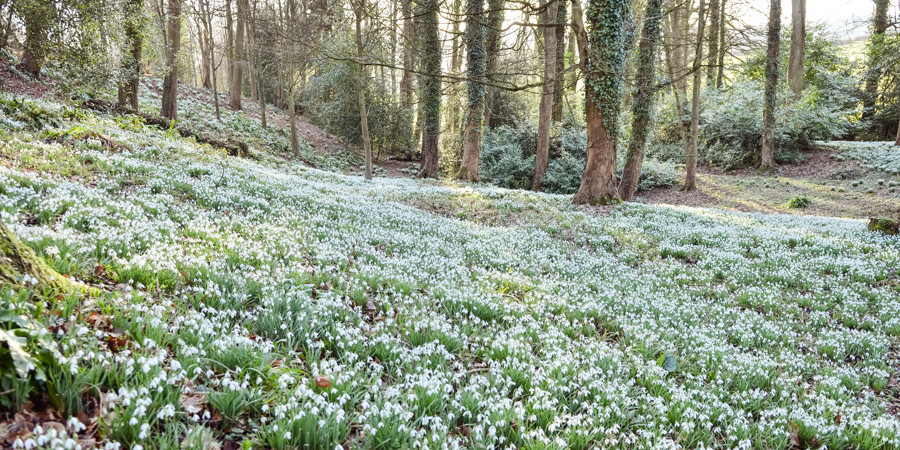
(272, 305)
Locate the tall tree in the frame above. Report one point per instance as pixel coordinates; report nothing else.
(642, 104)
(130, 76)
(359, 12)
(720, 65)
(237, 76)
(559, 87)
(468, 169)
(38, 16)
(492, 52)
(690, 162)
(545, 110)
(713, 58)
(873, 72)
(429, 85)
(798, 47)
(173, 44)
(770, 96)
(409, 60)
(603, 92)
(676, 63)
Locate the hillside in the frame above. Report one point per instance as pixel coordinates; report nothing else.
(259, 302)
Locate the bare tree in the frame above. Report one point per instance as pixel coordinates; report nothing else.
(690, 161)
(172, 43)
(237, 77)
(359, 9)
(545, 110)
(798, 47)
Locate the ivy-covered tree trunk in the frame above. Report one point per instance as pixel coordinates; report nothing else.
(492, 52)
(713, 57)
(19, 265)
(468, 169)
(173, 43)
(642, 103)
(874, 69)
(690, 163)
(559, 86)
(795, 72)
(774, 39)
(37, 16)
(603, 92)
(545, 110)
(430, 85)
(131, 61)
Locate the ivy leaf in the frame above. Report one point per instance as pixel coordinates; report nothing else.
(22, 360)
(667, 362)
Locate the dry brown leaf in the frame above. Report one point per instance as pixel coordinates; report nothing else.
(323, 382)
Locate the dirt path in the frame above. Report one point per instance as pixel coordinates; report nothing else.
(826, 182)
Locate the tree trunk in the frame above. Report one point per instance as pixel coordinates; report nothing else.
(798, 47)
(897, 142)
(558, 86)
(409, 61)
(430, 85)
(229, 42)
(169, 108)
(677, 65)
(545, 111)
(873, 72)
(37, 16)
(237, 76)
(642, 104)
(604, 69)
(713, 57)
(468, 169)
(131, 61)
(768, 137)
(690, 163)
(492, 51)
(361, 89)
(720, 65)
(453, 103)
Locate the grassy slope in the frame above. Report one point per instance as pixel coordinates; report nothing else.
(267, 301)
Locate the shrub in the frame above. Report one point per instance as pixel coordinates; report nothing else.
(798, 201)
(505, 162)
(732, 124)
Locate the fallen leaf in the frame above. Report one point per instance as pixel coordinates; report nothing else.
(193, 403)
(323, 382)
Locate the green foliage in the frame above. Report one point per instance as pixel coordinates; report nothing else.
(331, 101)
(798, 201)
(25, 347)
(732, 123)
(507, 160)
